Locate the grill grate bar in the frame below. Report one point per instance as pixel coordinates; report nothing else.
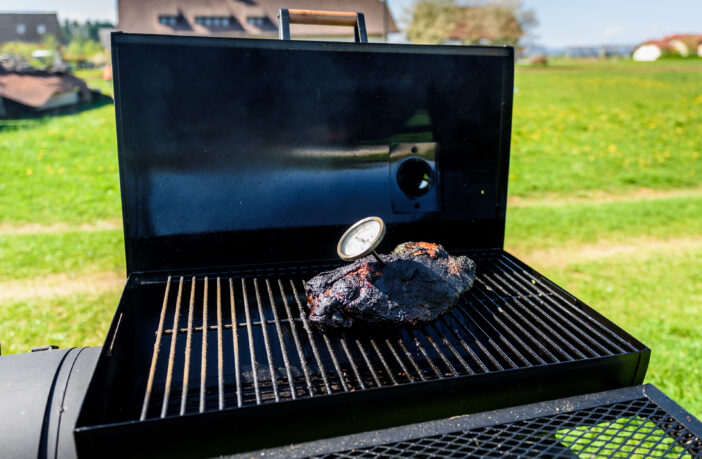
(566, 325)
(538, 348)
(188, 348)
(447, 343)
(599, 330)
(374, 374)
(303, 362)
(382, 359)
(399, 361)
(203, 360)
(421, 349)
(154, 357)
(310, 336)
(252, 352)
(505, 330)
(220, 357)
(354, 367)
(450, 324)
(271, 367)
(281, 341)
(488, 337)
(454, 316)
(571, 340)
(536, 325)
(171, 353)
(441, 354)
(411, 360)
(235, 343)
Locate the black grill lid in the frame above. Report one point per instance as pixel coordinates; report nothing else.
(241, 151)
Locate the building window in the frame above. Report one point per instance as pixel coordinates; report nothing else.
(21, 29)
(257, 21)
(171, 21)
(41, 29)
(215, 22)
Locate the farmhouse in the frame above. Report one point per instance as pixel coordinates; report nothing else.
(679, 44)
(25, 91)
(257, 18)
(28, 27)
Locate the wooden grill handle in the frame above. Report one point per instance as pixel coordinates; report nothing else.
(335, 18)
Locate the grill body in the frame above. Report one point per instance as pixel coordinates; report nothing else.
(239, 171)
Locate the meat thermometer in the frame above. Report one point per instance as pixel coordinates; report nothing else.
(361, 239)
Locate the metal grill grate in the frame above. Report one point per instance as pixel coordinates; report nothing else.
(636, 428)
(226, 341)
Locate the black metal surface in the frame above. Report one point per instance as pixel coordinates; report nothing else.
(517, 338)
(630, 422)
(263, 151)
(40, 395)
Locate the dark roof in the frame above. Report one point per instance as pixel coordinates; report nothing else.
(34, 89)
(11, 26)
(142, 16)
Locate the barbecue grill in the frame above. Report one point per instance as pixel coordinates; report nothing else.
(239, 171)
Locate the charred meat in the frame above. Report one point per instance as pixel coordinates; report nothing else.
(418, 282)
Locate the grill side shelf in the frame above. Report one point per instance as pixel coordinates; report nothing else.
(638, 419)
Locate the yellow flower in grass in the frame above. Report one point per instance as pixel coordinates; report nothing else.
(30, 172)
(612, 148)
(652, 125)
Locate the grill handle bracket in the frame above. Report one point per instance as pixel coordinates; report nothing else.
(335, 18)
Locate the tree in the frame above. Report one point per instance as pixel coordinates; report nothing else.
(74, 30)
(477, 22)
(431, 20)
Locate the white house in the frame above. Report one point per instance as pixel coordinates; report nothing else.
(679, 44)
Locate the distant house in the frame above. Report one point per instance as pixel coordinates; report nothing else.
(28, 27)
(27, 91)
(680, 44)
(241, 18)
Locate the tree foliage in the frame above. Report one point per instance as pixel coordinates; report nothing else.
(82, 31)
(474, 22)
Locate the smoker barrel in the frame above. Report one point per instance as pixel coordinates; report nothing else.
(40, 395)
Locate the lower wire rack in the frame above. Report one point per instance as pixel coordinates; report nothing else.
(637, 421)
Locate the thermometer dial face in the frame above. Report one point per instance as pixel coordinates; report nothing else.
(361, 238)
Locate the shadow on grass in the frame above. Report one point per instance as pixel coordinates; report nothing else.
(37, 119)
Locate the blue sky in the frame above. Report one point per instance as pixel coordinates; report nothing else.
(561, 22)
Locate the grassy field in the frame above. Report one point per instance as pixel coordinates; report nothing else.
(605, 199)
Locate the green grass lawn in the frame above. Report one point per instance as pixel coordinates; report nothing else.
(587, 138)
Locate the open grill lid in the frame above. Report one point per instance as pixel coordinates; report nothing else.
(244, 151)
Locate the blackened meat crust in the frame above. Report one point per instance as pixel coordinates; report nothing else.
(419, 282)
